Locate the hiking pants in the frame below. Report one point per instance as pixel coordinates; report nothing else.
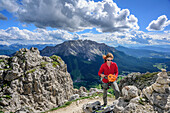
(114, 87)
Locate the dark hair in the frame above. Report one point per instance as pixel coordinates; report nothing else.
(107, 56)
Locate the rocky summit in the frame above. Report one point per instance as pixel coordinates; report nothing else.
(33, 83)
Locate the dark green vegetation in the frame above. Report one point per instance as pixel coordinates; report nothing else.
(145, 78)
(143, 52)
(160, 66)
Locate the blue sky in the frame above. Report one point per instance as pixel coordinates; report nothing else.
(117, 22)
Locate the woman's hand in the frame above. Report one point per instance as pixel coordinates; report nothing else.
(102, 75)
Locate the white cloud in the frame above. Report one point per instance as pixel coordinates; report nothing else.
(168, 31)
(2, 17)
(9, 5)
(43, 36)
(159, 24)
(77, 15)
(129, 38)
(15, 35)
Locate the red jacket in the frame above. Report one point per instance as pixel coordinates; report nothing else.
(113, 69)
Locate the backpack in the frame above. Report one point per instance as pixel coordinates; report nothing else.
(111, 78)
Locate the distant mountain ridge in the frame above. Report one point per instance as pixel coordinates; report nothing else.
(8, 50)
(158, 48)
(143, 52)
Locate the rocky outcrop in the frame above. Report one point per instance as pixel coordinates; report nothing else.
(152, 99)
(33, 82)
(140, 80)
(158, 93)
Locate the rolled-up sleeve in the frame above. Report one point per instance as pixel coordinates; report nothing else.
(100, 70)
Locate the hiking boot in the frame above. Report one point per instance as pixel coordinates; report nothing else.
(104, 105)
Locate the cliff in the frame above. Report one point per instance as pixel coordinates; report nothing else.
(33, 83)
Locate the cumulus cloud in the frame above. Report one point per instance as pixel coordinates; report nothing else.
(41, 36)
(9, 5)
(129, 38)
(77, 15)
(2, 17)
(159, 24)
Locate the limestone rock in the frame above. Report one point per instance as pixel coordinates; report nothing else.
(90, 107)
(158, 93)
(75, 91)
(74, 97)
(34, 81)
(129, 92)
(94, 91)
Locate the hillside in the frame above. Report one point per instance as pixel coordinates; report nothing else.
(84, 58)
(140, 52)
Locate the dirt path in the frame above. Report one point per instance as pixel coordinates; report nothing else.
(76, 107)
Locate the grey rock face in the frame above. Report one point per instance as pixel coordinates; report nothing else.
(130, 92)
(140, 80)
(33, 81)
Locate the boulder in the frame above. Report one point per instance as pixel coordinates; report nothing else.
(129, 92)
(94, 91)
(91, 107)
(75, 91)
(74, 97)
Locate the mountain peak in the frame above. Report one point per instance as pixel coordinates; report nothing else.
(86, 48)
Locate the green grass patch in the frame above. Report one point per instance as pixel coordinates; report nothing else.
(1, 60)
(149, 75)
(43, 64)
(141, 101)
(55, 64)
(55, 58)
(7, 96)
(31, 71)
(1, 112)
(97, 86)
(6, 69)
(4, 85)
(119, 79)
(145, 77)
(160, 66)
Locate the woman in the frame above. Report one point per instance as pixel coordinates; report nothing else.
(108, 67)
